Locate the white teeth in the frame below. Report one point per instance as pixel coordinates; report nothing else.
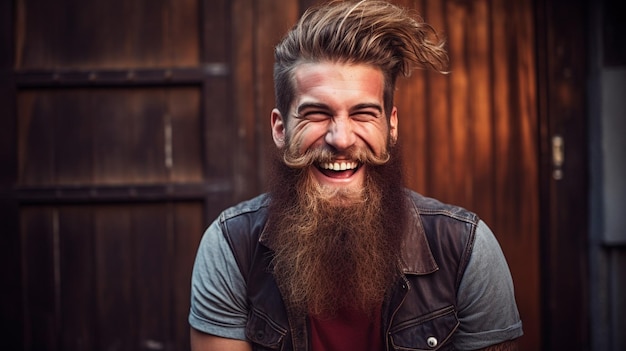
(339, 166)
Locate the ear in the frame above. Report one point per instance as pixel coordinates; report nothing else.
(278, 128)
(393, 126)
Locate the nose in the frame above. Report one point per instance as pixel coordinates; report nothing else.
(340, 134)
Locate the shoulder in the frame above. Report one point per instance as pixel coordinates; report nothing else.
(428, 206)
(245, 208)
(241, 226)
(244, 220)
(448, 233)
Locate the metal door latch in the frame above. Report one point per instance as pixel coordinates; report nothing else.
(558, 156)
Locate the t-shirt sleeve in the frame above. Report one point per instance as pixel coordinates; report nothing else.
(487, 312)
(218, 290)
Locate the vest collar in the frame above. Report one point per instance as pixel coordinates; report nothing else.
(416, 257)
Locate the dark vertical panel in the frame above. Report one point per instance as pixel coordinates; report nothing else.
(116, 306)
(11, 317)
(77, 272)
(40, 252)
(613, 29)
(562, 47)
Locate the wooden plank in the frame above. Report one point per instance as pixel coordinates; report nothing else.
(145, 148)
(181, 38)
(123, 193)
(480, 109)
(274, 18)
(218, 128)
(114, 122)
(438, 112)
(116, 306)
(35, 140)
(133, 77)
(73, 142)
(40, 254)
(461, 133)
(410, 99)
(215, 31)
(516, 221)
(77, 283)
(245, 157)
(183, 119)
(152, 274)
(187, 227)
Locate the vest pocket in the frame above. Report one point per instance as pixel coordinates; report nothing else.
(263, 333)
(428, 332)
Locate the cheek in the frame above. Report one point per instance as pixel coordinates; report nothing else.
(306, 135)
(376, 137)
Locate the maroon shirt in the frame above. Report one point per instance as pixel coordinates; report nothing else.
(349, 330)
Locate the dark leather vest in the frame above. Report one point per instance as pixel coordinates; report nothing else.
(419, 312)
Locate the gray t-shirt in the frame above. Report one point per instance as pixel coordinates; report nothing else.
(486, 303)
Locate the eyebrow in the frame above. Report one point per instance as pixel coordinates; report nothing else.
(357, 107)
(308, 105)
(377, 107)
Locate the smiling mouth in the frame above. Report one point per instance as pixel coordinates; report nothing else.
(338, 169)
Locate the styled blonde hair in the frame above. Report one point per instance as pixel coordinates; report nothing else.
(372, 32)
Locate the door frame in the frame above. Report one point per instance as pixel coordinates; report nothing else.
(562, 82)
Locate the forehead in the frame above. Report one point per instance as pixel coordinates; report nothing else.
(338, 81)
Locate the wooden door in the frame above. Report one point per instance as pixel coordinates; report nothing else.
(121, 151)
(564, 28)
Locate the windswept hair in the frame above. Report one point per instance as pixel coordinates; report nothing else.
(372, 32)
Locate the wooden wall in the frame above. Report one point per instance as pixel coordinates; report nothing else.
(129, 125)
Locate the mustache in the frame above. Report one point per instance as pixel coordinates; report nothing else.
(363, 155)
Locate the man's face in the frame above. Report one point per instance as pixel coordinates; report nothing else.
(338, 107)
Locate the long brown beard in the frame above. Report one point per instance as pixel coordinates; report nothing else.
(337, 250)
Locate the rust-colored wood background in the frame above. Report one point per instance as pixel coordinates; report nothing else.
(130, 124)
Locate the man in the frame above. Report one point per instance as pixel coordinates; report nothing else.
(338, 255)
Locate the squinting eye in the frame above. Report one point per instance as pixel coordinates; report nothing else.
(365, 116)
(316, 116)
